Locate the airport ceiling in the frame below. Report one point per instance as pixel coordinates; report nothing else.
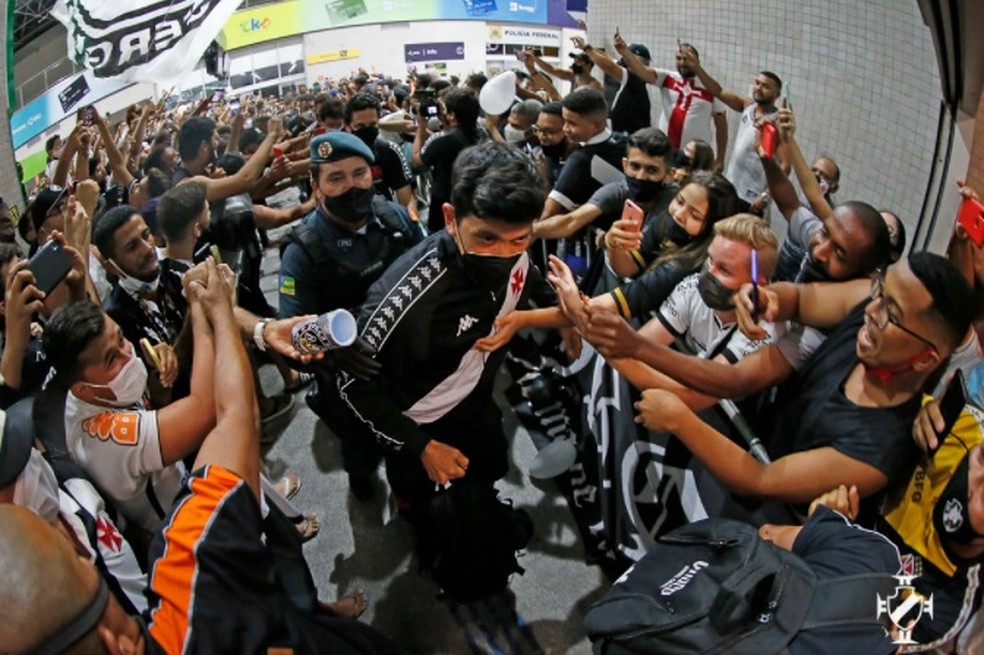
(31, 19)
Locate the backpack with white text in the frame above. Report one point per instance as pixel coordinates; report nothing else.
(714, 586)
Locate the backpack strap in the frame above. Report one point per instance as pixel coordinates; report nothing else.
(310, 244)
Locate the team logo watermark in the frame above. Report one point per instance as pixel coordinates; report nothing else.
(904, 608)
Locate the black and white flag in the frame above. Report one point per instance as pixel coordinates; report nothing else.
(141, 40)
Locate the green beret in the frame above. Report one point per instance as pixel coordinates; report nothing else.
(332, 146)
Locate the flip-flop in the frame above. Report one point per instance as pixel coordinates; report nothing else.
(289, 485)
(307, 524)
(351, 606)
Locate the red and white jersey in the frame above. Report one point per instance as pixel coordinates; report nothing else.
(687, 108)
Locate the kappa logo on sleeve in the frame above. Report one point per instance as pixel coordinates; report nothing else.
(121, 427)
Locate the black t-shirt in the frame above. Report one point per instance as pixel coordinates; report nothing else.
(390, 171)
(439, 153)
(833, 548)
(577, 181)
(631, 108)
(816, 413)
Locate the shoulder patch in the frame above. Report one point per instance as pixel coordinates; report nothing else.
(287, 285)
(121, 427)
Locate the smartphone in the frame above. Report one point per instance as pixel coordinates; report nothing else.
(218, 95)
(972, 218)
(951, 404)
(151, 354)
(756, 305)
(278, 152)
(633, 213)
(88, 115)
(50, 265)
(537, 52)
(234, 106)
(521, 55)
(770, 138)
(786, 102)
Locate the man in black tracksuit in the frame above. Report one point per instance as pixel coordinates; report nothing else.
(431, 407)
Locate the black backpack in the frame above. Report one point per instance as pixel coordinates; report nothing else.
(714, 586)
(468, 538)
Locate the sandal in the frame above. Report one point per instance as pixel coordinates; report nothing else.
(351, 606)
(289, 485)
(307, 524)
(303, 380)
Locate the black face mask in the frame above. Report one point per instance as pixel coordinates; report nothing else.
(488, 271)
(680, 160)
(675, 233)
(577, 69)
(367, 135)
(951, 514)
(352, 206)
(811, 271)
(643, 190)
(555, 151)
(714, 294)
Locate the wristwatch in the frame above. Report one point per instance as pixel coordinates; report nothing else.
(258, 334)
(587, 47)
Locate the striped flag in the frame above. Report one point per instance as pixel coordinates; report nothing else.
(141, 40)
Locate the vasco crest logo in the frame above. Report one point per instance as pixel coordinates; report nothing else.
(134, 37)
(904, 608)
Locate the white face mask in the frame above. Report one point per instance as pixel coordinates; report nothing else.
(513, 135)
(132, 285)
(37, 489)
(129, 384)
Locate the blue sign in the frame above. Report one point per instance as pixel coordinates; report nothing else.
(414, 52)
(57, 103)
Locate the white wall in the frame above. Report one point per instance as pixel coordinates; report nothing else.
(863, 76)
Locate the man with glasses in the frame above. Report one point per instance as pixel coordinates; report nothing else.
(554, 146)
(846, 417)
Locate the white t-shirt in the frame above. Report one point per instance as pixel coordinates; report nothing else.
(744, 167)
(687, 109)
(686, 316)
(120, 450)
(77, 496)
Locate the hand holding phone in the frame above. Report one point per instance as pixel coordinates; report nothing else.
(971, 217)
(151, 355)
(633, 215)
(951, 405)
(50, 265)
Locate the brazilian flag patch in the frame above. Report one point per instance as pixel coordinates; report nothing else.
(287, 286)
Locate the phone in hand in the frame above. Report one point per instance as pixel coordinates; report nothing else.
(49, 265)
(217, 96)
(770, 139)
(971, 217)
(234, 106)
(634, 214)
(537, 52)
(88, 115)
(151, 354)
(278, 152)
(521, 55)
(951, 404)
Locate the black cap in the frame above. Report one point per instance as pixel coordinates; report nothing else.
(47, 198)
(640, 51)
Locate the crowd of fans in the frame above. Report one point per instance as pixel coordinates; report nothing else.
(566, 228)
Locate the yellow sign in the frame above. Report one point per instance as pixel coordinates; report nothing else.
(334, 55)
(264, 23)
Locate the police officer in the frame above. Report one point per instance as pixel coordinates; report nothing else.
(330, 261)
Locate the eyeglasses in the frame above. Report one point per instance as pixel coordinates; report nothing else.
(883, 317)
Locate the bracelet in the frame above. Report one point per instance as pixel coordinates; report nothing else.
(258, 334)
